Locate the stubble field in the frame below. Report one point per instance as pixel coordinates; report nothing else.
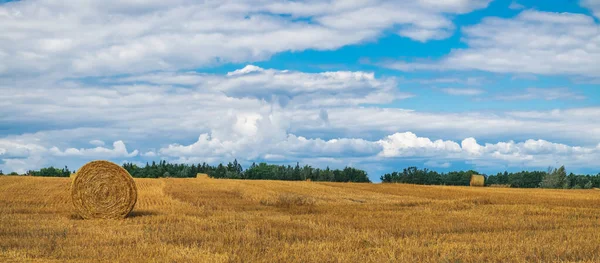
(209, 220)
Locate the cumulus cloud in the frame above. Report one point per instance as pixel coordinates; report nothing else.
(17, 148)
(19, 154)
(236, 120)
(408, 144)
(142, 108)
(119, 150)
(255, 136)
(121, 71)
(435, 153)
(471, 147)
(22, 165)
(550, 124)
(535, 153)
(533, 42)
(530, 153)
(187, 103)
(267, 136)
(325, 103)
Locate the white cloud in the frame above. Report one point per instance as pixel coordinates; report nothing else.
(593, 5)
(266, 113)
(99, 37)
(119, 150)
(438, 153)
(437, 164)
(552, 124)
(252, 136)
(327, 104)
(408, 144)
(22, 165)
(22, 153)
(471, 81)
(425, 34)
(470, 146)
(236, 121)
(310, 89)
(97, 142)
(535, 153)
(179, 103)
(533, 42)
(516, 6)
(543, 94)
(463, 91)
(530, 153)
(257, 136)
(287, 87)
(149, 154)
(15, 148)
(18, 155)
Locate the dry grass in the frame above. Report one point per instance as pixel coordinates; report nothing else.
(500, 185)
(206, 220)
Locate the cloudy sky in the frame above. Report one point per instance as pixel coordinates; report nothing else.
(377, 85)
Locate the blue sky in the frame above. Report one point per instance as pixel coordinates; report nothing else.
(378, 85)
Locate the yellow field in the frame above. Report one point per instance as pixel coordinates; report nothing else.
(208, 220)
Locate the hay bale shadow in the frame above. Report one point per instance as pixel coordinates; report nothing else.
(141, 213)
(133, 214)
(75, 217)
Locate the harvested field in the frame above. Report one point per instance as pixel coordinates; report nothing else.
(208, 220)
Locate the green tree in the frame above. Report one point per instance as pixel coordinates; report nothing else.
(556, 178)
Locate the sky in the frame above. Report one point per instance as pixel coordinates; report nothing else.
(377, 85)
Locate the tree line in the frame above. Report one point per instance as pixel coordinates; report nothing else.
(553, 178)
(289, 173)
(45, 172)
(163, 169)
(51, 172)
(234, 170)
(414, 175)
(12, 173)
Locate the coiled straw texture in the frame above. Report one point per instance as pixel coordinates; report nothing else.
(102, 189)
(477, 180)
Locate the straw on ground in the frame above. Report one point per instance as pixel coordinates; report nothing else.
(210, 220)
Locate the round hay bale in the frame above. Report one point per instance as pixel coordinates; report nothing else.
(477, 180)
(102, 189)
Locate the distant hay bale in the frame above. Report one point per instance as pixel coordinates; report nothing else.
(202, 176)
(102, 189)
(477, 180)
